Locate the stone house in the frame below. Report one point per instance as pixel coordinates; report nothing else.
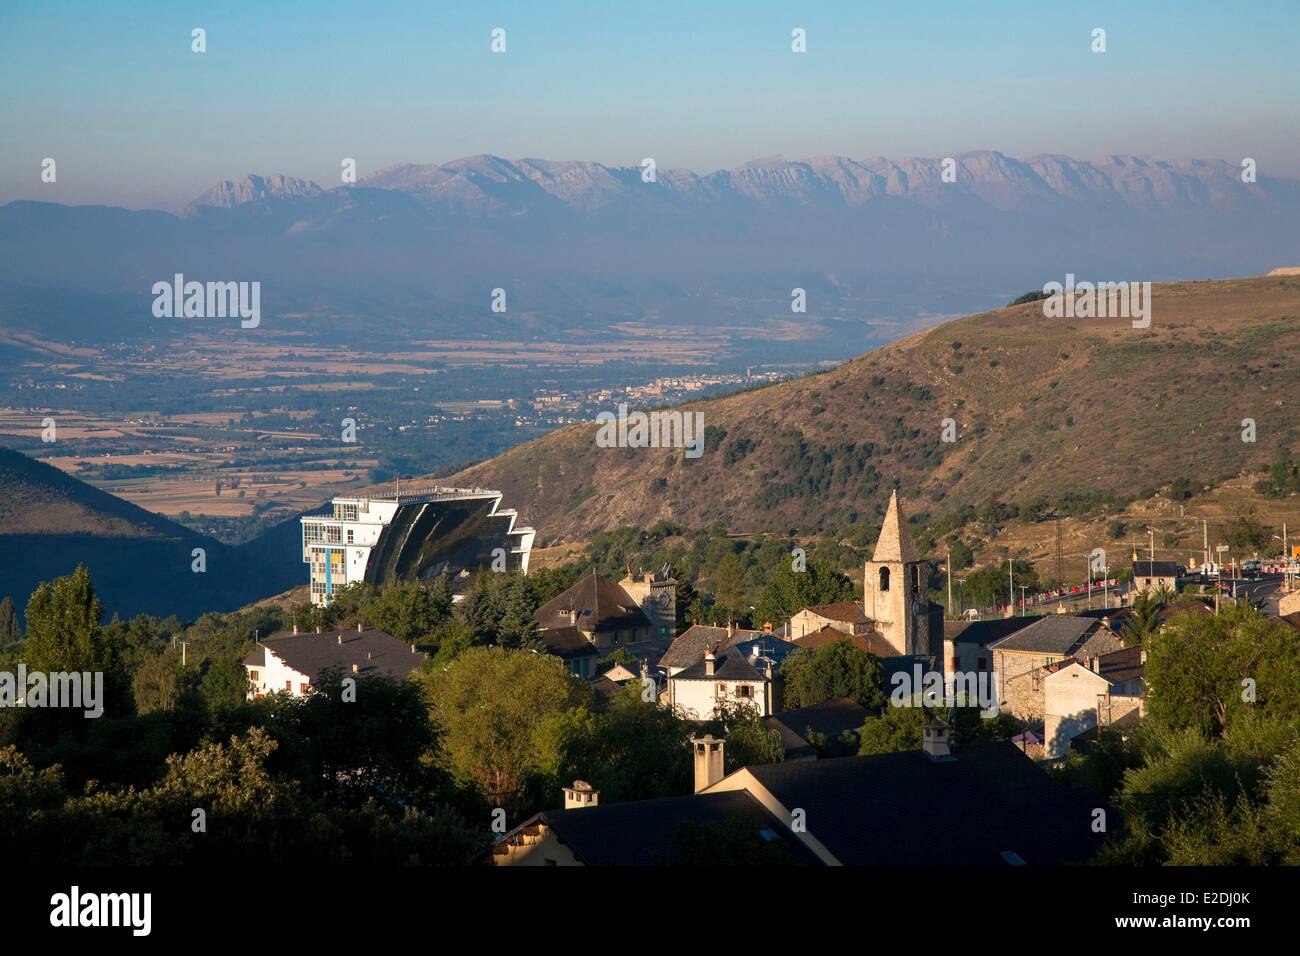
(1019, 659)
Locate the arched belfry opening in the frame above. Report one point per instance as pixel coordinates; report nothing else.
(884, 579)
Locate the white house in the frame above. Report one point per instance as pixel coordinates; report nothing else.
(725, 677)
(292, 662)
(1079, 695)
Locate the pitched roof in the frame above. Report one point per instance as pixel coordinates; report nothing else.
(847, 612)
(983, 633)
(372, 651)
(646, 832)
(256, 657)
(794, 746)
(1121, 666)
(904, 809)
(830, 717)
(1155, 569)
(731, 664)
(567, 642)
(600, 605)
(690, 645)
(1056, 634)
(1189, 606)
(871, 642)
(895, 542)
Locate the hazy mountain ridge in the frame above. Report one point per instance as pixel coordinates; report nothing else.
(582, 246)
(490, 184)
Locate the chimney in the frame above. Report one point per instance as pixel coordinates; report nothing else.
(708, 761)
(709, 662)
(412, 648)
(295, 627)
(340, 635)
(317, 628)
(767, 627)
(358, 626)
(935, 741)
(645, 668)
(356, 668)
(1142, 656)
(767, 669)
(731, 629)
(580, 796)
(573, 615)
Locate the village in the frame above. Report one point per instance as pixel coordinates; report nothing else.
(1046, 683)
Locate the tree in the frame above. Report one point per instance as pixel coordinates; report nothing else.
(989, 587)
(834, 670)
(9, 632)
(63, 626)
(895, 730)
(1203, 672)
(493, 707)
(788, 591)
(155, 684)
(224, 682)
(631, 750)
(409, 611)
(1145, 619)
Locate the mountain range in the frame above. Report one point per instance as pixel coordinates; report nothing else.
(582, 246)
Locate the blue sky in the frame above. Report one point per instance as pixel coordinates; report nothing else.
(113, 93)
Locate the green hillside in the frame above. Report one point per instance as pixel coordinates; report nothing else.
(1045, 409)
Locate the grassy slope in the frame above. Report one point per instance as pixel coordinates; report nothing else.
(141, 562)
(1045, 407)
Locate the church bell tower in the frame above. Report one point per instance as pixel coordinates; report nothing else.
(894, 589)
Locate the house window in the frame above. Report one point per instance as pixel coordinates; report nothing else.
(722, 690)
(350, 536)
(288, 685)
(252, 675)
(744, 690)
(302, 688)
(884, 579)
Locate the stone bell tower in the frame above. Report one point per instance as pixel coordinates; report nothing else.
(894, 589)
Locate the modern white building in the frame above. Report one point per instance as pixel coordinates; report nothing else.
(413, 535)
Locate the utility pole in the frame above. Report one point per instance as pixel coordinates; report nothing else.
(1205, 542)
(1087, 562)
(1060, 566)
(1011, 579)
(1022, 600)
(184, 647)
(949, 563)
